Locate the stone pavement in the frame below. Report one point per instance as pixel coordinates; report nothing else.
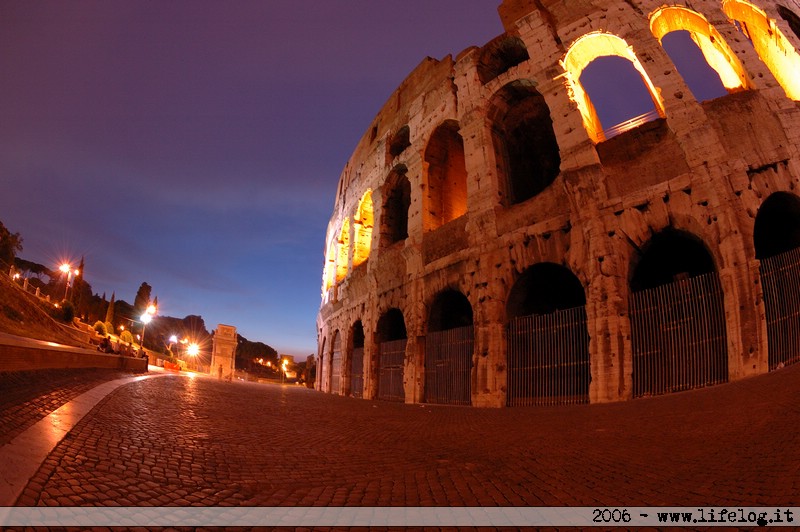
(180, 440)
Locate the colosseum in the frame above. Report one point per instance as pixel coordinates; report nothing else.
(494, 242)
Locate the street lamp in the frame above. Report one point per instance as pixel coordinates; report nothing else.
(66, 268)
(146, 318)
(283, 367)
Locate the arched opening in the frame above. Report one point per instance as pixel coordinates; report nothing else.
(399, 142)
(446, 194)
(357, 360)
(323, 368)
(776, 237)
(329, 272)
(362, 226)
(343, 251)
(791, 18)
(547, 343)
(336, 363)
(769, 42)
(392, 342)
(705, 61)
(677, 317)
(394, 214)
(591, 47)
(528, 158)
(777, 225)
(500, 55)
(449, 347)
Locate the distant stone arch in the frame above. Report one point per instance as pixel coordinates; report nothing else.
(528, 158)
(770, 44)
(446, 190)
(584, 51)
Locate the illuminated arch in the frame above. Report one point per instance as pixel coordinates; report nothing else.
(769, 42)
(343, 251)
(583, 51)
(362, 229)
(446, 175)
(329, 271)
(716, 51)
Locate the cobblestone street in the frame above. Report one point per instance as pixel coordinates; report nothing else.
(179, 440)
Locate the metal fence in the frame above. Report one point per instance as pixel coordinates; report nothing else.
(357, 372)
(391, 363)
(678, 336)
(780, 278)
(336, 366)
(548, 359)
(448, 366)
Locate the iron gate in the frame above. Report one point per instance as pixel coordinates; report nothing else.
(548, 359)
(780, 278)
(357, 372)
(391, 363)
(448, 366)
(336, 366)
(678, 336)
(323, 372)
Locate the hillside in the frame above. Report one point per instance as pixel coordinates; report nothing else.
(22, 314)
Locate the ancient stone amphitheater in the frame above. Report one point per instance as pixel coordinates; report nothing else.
(494, 243)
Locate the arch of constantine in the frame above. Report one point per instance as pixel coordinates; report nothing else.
(495, 242)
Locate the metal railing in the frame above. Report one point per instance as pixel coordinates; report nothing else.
(448, 366)
(678, 336)
(780, 278)
(391, 364)
(357, 372)
(548, 359)
(631, 123)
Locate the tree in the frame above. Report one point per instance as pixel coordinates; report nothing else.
(142, 298)
(110, 310)
(10, 244)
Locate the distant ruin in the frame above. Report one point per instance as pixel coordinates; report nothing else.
(493, 243)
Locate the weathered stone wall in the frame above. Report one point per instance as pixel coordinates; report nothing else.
(701, 168)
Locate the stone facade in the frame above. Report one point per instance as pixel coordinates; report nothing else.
(223, 354)
(487, 190)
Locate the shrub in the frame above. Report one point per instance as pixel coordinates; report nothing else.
(100, 328)
(126, 337)
(67, 311)
(109, 327)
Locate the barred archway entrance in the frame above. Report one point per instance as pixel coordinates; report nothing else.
(777, 242)
(547, 343)
(336, 363)
(392, 342)
(448, 350)
(357, 361)
(677, 315)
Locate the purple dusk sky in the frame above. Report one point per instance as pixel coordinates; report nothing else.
(196, 145)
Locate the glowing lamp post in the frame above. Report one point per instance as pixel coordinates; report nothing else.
(67, 269)
(146, 318)
(283, 370)
(193, 350)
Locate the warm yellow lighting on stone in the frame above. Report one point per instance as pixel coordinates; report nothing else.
(343, 251)
(583, 51)
(330, 268)
(362, 229)
(769, 42)
(716, 51)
